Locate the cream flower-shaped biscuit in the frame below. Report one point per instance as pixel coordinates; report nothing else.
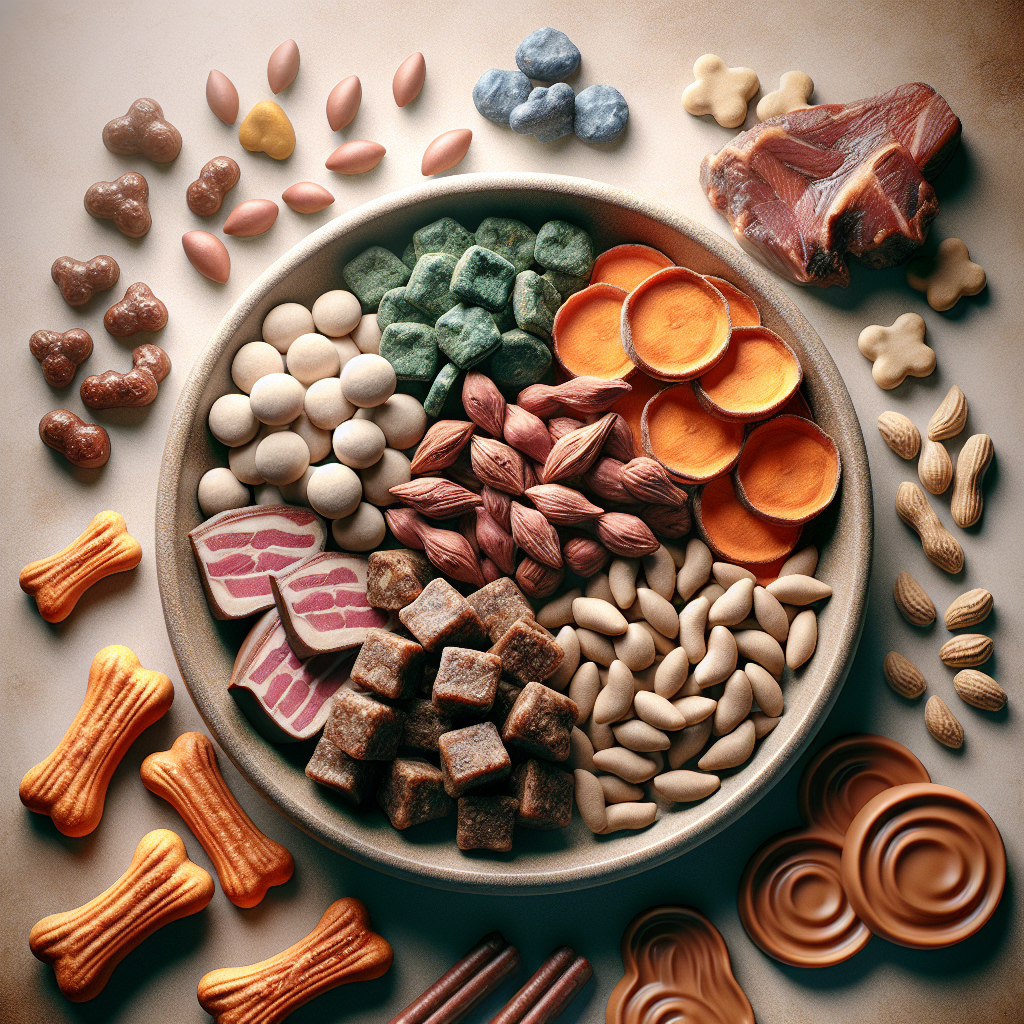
(794, 91)
(946, 275)
(721, 91)
(897, 352)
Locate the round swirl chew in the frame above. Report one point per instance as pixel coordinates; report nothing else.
(923, 865)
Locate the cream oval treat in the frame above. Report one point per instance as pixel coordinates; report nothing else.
(277, 399)
(282, 457)
(336, 313)
(359, 443)
(232, 421)
(220, 490)
(720, 91)
(403, 420)
(334, 491)
(363, 530)
(311, 357)
(366, 334)
(390, 470)
(326, 405)
(284, 323)
(252, 361)
(368, 380)
(318, 439)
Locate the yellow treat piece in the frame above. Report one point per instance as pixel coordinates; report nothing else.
(266, 129)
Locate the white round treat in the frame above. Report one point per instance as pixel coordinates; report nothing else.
(219, 490)
(268, 494)
(361, 531)
(359, 443)
(368, 380)
(318, 440)
(366, 334)
(284, 323)
(277, 399)
(336, 313)
(253, 361)
(402, 419)
(295, 492)
(312, 357)
(242, 460)
(334, 491)
(282, 457)
(346, 349)
(389, 471)
(232, 421)
(326, 404)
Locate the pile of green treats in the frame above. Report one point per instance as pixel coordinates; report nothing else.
(457, 300)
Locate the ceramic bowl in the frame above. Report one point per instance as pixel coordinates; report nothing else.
(205, 648)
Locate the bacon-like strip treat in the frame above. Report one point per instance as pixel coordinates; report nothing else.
(549, 991)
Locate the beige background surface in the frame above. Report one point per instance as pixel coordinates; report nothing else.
(69, 68)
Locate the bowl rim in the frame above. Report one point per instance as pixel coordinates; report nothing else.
(482, 876)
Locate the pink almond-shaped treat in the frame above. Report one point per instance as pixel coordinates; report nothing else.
(307, 197)
(283, 66)
(355, 157)
(208, 254)
(222, 96)
(409, 78)
(343, 102)
(446, 151)
(252, 217)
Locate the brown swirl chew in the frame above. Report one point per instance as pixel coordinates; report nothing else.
(86, 944)
(676, 968)
(246, 861)
(548, 991)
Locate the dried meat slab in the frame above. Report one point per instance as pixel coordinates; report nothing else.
(803, 190)
(286, 697)
(238, 550)
(323, 604)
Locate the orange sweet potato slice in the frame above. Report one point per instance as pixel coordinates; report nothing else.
(743, 309)
(587, 337)
(675, 326)
(631, 407)
(788, 471)
(628, 265)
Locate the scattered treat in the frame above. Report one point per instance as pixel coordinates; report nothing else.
(343, 103)
(898, 351)
(942, 723)
(409, 78)
(208, 254)
(938, 544)
(471, 757)
(946, 275)
(356, 781)
(283, 66)
(966, 650)
(307, 197)
(266, 129)
(78, 282)
(222, 96)
(137, 387)
(250, 218)
(600, 115)
(497, 93)
(355, 157)
(60, 354)
(979, 690)
(85, 445)
(972, 464)
(721, 91)
(913, 601)
(545, 793)
(969, 609)
(793, 93)
(950, 418)
(549, 990)
(466, 683)
(139, 310)
(547, 55)
(413, 792)
(934, 467)
(447, 150)
(124, 201)
(389, 665)
(547, 113)
(206, 194)
(143, 130)
(900, 434)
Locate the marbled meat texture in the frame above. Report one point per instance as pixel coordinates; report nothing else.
(323, 604)
(238, 550)
(804, 189)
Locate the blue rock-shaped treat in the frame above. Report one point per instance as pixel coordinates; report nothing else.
(547, 55)
(497, 93)
(601, 114)
(548, 113)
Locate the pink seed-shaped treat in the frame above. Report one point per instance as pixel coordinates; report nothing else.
(222, 97)
(283, 66)
(343, 103)
(307, 197)
(252, 217)
(446, 151)
(409, 78)
(356, 157)
(208, 254)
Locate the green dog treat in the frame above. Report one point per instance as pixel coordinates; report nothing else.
(467, 335)
(439, 391)
(411, 349)
(566, 284)
(505, 318)
(483, 278)
(373, 273)
(521, 359)
(535, 303)
(565, 248)
(409, 255)
(395, 308)
(444, 235)
(509, 238)
(429, 286)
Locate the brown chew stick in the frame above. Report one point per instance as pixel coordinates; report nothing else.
(551, 988)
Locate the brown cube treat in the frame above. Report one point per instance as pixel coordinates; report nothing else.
(504, 698)
(528, 652)
(364, 728)
(396, 578)
(424, 725)
(331, 766)
(499, 604)
(466, 683)
(412, 792)
(472, 757)
(388, 664)
(540, 722)
(486, 822)
(441, 616)
(544, 793)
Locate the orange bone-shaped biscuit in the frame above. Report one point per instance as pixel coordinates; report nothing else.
(84, 945)
(59, 581)
(187, 777)
(341, 949)
(121, 700)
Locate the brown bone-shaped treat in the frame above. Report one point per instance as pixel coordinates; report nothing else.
(60, 354)
(84, 945)
(341, 949)
(246, 861)
(79, 281)
(205, 195)
(124, 201)
(83, 444)
(139, 386)
(139, 310)
(143, 130)
(121, 700)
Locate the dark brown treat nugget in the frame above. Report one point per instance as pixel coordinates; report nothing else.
(364, 728)
(388, 664)
(504, 698)
(540, 722)
(441, 616)
(331, 766)
(499, 604)
(528, 652)
(466, 682)
(424, 725)
(472, 756)
(486, 822)
(396, 578)
(544, 793)
(412, 792)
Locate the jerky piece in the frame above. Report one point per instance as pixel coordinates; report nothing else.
(472, 757)
(466, 683)
(364, 728)
(396, 578)
(388, 665)
(331, 766)
(540, 722)
(499, 605)
(424, 725)
(544, 793)
(412, 792)
(528, 652)
(486, 822)
(441, 616)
